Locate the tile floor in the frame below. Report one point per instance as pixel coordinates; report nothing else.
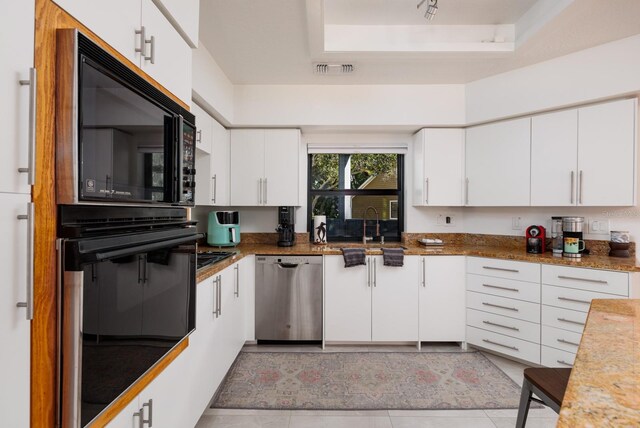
(232, 418)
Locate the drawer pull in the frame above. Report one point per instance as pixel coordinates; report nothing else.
(597, 281)
(500, 344)
(570, 321)
(500, 325)
(568, 342)
(501, 288)
(564, 362)
(501, 307)
(502, 269)
(567, 299)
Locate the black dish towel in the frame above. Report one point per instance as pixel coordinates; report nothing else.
(393, 257)
(353, 257)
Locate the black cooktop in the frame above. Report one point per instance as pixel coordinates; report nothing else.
(210, 257)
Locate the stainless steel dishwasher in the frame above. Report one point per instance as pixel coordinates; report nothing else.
(289, 297)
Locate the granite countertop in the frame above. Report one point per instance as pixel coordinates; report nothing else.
(604, 388)
(492, 251)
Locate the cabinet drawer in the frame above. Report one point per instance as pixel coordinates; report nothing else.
(521, 290)
(601, 281)
(561, 339)
(565, 319)
(512, 327)
(508, 269)
(570, 298)
(522, 349)
(526, 311)
(551, 357)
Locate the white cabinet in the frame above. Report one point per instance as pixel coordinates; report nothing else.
(372, 302)
(585, 156)
(607, 154)
(498, 163)
(442, 299)
(212, 160)
(184, 15)
(140, 32)
(395, 300)
(438, 167)
(248, 294)
(347, 307)
(16, 50)
(265, 167)
(554, 152)
(15, 329)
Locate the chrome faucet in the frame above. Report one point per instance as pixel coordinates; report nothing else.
(364, 225)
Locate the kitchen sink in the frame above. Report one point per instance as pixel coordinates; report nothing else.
(369, 247)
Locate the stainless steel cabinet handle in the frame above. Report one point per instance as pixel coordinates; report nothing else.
(152, 48)
(214, 180)
(424, 273)
(33, 100)
(375, 273)
(30, 217)
(597, 281)
(219, 295)
(426, 190)
(568, 342)
(265, 190)
(500, 269)
(141, 49)
(581, 187)
(572, 186)
(149, 421)
(501, 307)
(139, 415)
(501, 288)
(565, 363)
(570, 321)
(500, 325)
(199, 136)
(368, 261)
(237, 290)
(500, 344)
(215, 297)
(586, 302)
(260, 191)
(466, 192)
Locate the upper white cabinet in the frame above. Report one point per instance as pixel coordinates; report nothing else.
(212, 160)
(17, 108)
(139, 31)
(554, 153)
(498, 163)
(265, 167)
(184, 15)
(585, 156)
(607, 154)
(438, 167)
(442, 299)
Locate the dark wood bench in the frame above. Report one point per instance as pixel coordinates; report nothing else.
(547, 383)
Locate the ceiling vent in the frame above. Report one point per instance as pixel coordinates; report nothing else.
(333, 69)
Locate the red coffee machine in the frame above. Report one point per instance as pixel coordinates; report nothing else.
(535, 239)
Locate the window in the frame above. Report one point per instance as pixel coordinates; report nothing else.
(349, 188)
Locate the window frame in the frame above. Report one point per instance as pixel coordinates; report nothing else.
(358, 192)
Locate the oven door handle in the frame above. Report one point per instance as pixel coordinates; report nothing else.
(146, 247)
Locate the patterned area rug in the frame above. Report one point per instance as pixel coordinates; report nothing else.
(366, 381)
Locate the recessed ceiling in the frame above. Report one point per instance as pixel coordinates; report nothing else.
(276, 41)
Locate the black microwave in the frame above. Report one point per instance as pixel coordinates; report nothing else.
(119, 139)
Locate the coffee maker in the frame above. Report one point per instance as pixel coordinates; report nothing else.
(286, 226)
(572, 237)
(535, 236)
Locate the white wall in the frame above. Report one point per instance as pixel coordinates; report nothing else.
(211, 87)
(605, 71)
(350, 105)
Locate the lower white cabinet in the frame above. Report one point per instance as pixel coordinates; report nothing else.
(372, 302)
(442, 299)
(15, 329)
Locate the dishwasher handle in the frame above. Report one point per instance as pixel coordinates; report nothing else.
(288, 265)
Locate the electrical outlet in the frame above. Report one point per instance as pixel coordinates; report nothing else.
(516, 223)
(440, 220)
(598, 226)
(449, 220)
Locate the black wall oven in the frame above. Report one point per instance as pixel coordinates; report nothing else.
(127, 298)
(119, 139)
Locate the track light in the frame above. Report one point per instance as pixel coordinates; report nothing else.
(432, 8)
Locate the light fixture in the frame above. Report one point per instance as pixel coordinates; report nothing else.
(432, 8)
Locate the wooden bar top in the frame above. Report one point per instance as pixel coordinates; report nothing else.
(604, 387)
